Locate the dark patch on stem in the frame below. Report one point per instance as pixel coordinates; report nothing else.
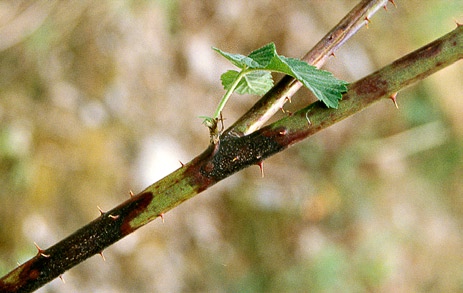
(203, 161)
(135, 206)
(429, 51)
(232, 154)
(375, 85)
(84, 243)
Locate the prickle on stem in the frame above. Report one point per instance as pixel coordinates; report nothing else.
(114, 217)
(367, 21)
(102, 255)
(286, 111)
(41, 251)
(393, 97)
(307, 117)
(110, 216)
(261, 167)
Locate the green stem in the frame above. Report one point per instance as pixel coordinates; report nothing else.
(229, 92)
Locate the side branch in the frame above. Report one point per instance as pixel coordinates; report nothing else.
(384, 83)
(274, 100)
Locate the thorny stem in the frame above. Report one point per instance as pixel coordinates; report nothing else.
(274, 100)
(219, 161)
(384, 83)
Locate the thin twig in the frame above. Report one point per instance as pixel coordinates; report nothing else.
(275, 99)
(385, 83)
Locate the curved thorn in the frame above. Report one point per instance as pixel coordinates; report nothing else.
(307, 117)
(100, 210)
(367, 21)
(41, 251)
(261, 167)
(114, 217)
(393, 97)
(102, 255)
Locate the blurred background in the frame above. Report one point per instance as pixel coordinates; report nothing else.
(101, 97)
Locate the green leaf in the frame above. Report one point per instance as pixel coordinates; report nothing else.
(255, 82)
(264, 55)
(323, 84)
(238, 60)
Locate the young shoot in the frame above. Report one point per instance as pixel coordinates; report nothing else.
(255, 78)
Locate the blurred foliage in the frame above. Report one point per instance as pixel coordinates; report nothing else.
(101, 97)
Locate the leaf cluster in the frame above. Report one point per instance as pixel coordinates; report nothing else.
(255, 75)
